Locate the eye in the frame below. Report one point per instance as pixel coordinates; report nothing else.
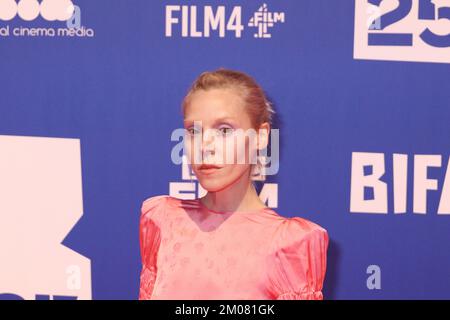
(226, 131)
(193, 131)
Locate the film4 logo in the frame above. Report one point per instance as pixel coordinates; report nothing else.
(202, 22)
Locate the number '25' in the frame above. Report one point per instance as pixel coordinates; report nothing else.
(427, 11)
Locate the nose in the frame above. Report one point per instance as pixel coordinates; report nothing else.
(208, 140)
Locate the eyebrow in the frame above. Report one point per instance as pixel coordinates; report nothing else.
(216, 121)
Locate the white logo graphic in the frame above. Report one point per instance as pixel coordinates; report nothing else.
(49, 10)
(28, 10)
(40, 202)
(263, 20)
(187, 189)
(220, 19)
(402, 30)
(373, 282)
(369, 168)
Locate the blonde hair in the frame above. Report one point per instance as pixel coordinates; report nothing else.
(256, 104)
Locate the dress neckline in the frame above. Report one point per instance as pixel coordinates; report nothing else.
(228, 212)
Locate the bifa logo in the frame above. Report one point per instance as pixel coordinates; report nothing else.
(402, 30)
(40, 202)
(48, 10)
(203, 22)
(369, 193)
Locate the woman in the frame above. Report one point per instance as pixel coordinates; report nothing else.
(227, 244)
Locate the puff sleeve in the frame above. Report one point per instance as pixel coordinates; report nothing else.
(149, 239)
(297, 264)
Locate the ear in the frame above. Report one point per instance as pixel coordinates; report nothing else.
(263, 135)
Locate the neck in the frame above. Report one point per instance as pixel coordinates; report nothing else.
(239, 196)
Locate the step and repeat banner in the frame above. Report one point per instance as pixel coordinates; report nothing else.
(91, 91)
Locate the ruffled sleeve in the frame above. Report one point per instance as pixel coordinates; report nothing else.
(150, 239)
(297, 264)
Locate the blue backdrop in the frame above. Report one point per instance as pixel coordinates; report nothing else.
(119, 92)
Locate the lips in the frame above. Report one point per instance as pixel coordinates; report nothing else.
(208, 166)
(208, 169)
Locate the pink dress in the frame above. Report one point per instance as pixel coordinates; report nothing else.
(191, 252)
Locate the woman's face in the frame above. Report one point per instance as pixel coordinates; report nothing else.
(216, 122)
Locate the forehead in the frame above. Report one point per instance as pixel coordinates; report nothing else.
(214, 104)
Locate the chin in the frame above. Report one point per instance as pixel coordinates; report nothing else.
(218, 182)
(212, 186)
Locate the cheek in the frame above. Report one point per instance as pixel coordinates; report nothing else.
(242, 149)
(191, 153)
(230, 150)
(188, 149)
